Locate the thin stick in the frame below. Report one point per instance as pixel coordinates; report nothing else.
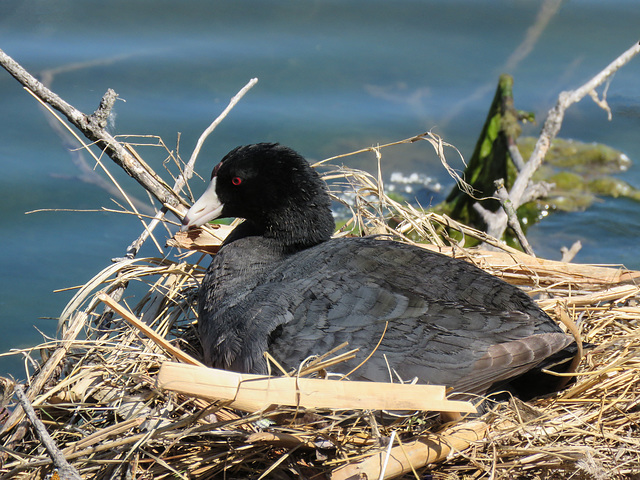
(188, 171)
(387, 455)
(66, 471)
(512, 216)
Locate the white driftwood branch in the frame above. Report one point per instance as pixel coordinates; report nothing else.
(552, 125)
(94, 128)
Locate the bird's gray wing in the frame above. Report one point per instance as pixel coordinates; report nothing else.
(430, 324)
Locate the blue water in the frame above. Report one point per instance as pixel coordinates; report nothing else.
(333, 76)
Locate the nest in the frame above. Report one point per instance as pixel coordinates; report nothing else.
(96, 394)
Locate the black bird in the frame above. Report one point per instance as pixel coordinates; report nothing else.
(281, 284)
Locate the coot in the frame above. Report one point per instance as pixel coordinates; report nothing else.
(281, 284)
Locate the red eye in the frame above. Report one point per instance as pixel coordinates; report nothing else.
(236, 180)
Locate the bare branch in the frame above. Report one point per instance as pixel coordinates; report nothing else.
(512, 216)
(94, 128)
(65, 470)
(188, 171)
(550, 129)
(569, 253)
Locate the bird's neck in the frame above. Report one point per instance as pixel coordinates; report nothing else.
(297, 227)
(292, 228)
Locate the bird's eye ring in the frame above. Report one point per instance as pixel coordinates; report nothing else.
(236, 180)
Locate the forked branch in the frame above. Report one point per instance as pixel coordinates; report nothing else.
(497, 222)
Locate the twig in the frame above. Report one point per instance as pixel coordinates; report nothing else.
(65, 470)
(94, 128)
(387, 455)
(550, 129)
(569, 253)
(512, 216)
(188, 170)
(87, 173)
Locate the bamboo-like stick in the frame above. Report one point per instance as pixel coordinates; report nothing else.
(256, 392)
(406, 457)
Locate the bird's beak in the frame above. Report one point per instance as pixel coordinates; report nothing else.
(206, 208)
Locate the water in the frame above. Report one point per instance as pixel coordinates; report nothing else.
(334, 76)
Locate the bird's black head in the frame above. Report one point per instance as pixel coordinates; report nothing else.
(274, 188)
